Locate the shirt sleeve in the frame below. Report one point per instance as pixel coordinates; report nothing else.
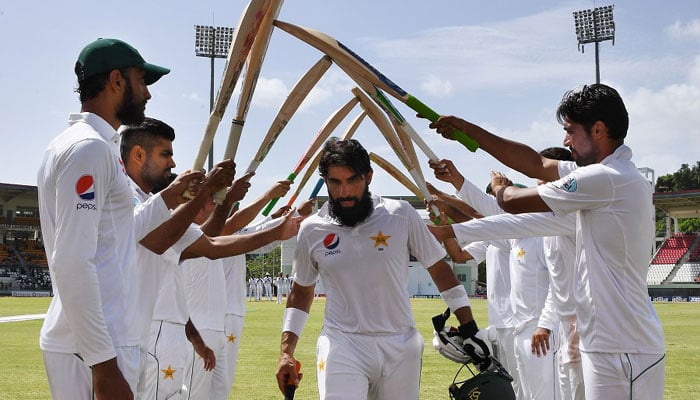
(585, 188)
(514, 226)
(304, 267)
(421, 243)
(77, 231)
(479, 200)
(149, 215)
(477, 250)
(259, 226)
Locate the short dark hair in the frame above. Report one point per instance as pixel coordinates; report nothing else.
(557, 153)
(348, 153)
(596, 102)
(145, 134)
(89, 87)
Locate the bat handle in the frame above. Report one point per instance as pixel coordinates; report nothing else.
(431, 115)
(272, 202)
(290, 388)
(317, 188)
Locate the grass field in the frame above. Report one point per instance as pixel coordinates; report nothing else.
(23, 376)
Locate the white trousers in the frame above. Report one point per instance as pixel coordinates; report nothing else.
(233, 331)
(358, 367)
(569, 358)
(202, 384)
(164, 372)
(538, 375)
(624, 376)
(504, 351)
(71, 379)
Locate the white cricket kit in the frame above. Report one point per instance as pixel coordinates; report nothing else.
(167, 348)
(235, 272)
(500, 312)
(87, 220)
(377, 251)
(367, 315)
(614, 237)
(530, 299)
(206, 301)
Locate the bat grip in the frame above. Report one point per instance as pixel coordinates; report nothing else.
(431, 115)
(272, 202)
(290, 388)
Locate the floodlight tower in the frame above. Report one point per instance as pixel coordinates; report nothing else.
(212, 42)
(595, 26)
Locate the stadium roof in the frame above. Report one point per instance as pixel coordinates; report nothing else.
(683, 204)
(10, 191)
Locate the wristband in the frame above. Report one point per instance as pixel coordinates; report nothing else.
(294, 320)
(456, 298)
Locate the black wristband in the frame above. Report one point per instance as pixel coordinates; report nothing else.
(468, 330)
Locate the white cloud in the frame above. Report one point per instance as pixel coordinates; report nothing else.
(680, 30)
(193, 96)
(437, 87)
(269, 93)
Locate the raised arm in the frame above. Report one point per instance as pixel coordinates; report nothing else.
(514, 154)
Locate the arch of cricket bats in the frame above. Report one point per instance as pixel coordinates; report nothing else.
(249, 46)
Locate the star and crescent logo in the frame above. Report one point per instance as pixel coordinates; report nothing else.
(380, 239)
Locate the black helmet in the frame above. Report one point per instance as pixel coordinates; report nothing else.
(492, 384)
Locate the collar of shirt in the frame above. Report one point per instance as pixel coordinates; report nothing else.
(98, 123)
(622, 152)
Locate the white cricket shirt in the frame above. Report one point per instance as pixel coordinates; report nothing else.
(365, 268)
(171, 301)
(614, 237)
(87, 219)
(500, 311)
(205, 285)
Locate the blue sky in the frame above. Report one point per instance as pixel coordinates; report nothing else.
(501, 64)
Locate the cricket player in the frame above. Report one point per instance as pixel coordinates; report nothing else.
(360, 244)
(89, 343)
(614, 232)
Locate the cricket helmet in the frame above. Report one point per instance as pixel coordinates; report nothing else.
(492, 384)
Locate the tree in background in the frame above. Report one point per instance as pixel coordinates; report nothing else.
(686, 178)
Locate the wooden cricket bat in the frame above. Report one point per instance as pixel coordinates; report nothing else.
(298, 93)
(354, 65)
(243, 37)
(398, 175)
(397, 120)
(388, 132)
(314, 164)
(321, 136)
(250, 79)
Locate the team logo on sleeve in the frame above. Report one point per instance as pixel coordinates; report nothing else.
(85, 187)
(569, 185)
(331, 242)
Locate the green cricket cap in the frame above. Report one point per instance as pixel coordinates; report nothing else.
(104, 55)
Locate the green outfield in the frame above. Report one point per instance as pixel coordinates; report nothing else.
(23, 374)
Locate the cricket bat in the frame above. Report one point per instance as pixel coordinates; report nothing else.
(243, 38)
(314, 164)
(354, 65)
(321, 136)
(396, 174)
(389, 134)
(298, 93)
(250, 78)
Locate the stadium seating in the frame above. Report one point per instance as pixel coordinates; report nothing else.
(687, 273)
(674, 248)
(658, 272)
